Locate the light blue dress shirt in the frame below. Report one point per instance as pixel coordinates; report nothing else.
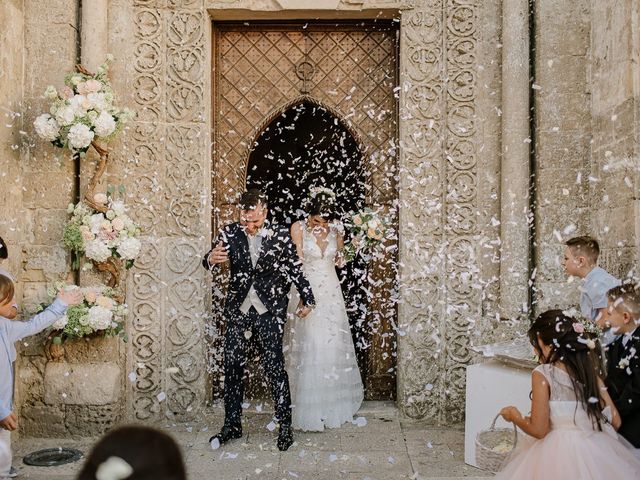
(10, 332)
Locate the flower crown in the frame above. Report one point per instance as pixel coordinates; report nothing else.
(315, 191)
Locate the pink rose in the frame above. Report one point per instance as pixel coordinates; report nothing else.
(117, 224)
(93, 86)
(578, 328)
(90, 296)
(82, 88)
(66, 92)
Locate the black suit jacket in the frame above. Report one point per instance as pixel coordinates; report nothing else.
(278, 265)
(623, 384)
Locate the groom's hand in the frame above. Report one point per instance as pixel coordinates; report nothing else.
(304, 311)
(218, 254)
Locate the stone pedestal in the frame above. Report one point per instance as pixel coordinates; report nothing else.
(83, 385)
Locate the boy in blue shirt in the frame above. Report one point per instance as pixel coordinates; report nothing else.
(10, 332)
(581, 260)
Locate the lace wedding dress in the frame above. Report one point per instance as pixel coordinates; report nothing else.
(326, 387)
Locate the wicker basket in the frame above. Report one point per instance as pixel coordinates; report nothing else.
(486, 440)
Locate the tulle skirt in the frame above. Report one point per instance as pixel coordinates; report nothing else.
(326, 387)
(568, 453)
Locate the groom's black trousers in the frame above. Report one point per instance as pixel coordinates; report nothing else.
(269, 334)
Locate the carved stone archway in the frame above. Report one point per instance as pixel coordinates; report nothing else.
(168, 163)
(351, 70)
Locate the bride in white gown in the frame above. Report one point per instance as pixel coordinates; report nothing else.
(326, 387)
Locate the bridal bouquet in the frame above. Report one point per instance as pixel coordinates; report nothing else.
(367, 230)
(100, 236)
(82, 110)
(99, 312)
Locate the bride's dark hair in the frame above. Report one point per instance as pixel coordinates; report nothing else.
(323, 204)
(577, 350)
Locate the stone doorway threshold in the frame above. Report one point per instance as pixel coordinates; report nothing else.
(386, 447)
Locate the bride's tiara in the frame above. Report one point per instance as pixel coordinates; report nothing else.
(315, 191)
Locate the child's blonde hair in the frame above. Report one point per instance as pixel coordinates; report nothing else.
(585, 246)
(7, 290)
(626, 296)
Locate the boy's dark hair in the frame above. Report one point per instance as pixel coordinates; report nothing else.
(7, 289)
(570, 347)
(152, 454)
(4, 253)
(626, 295)
(324, 205)
(252, 198)
(585, 246)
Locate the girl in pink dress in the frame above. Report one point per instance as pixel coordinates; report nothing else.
(572, 417)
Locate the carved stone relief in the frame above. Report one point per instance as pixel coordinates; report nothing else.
(438, 182)
(165, 292)
(438, 252)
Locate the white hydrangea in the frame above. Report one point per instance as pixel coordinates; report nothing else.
(97, 101)
(47, 127)
(104, 125)
(51, 93)
(129, 248)
(118, 207)
(100, 317)
(65, 115)
(95, 222)
(60, 323)
(80, 136)
(97, 250)
(79, 104)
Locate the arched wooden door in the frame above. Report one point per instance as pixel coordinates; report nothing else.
(350, 71)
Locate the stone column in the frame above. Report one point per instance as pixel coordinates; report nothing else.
(514, 182)
(95, 29)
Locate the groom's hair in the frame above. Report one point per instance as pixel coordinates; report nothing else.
(252, 198)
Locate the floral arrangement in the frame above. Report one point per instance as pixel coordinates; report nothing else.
(101, 236)
(83, 110)
(367, 230)
(99, 312)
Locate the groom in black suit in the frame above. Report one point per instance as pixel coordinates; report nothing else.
(263, 262)
(623, 358)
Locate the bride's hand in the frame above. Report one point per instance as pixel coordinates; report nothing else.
(303, 311)
(340, 260)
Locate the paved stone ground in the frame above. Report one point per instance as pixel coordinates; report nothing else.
(387, 447)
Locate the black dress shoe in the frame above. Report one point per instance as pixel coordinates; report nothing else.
(227, 433)
(285, 438)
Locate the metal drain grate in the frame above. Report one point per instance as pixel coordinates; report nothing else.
(51, 457)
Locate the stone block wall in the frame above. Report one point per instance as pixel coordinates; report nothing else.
(53, 398)
(562, 142)
(614, 189)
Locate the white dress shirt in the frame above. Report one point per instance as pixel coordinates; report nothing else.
(252, 300)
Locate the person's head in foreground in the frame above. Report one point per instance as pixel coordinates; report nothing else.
(134, 452)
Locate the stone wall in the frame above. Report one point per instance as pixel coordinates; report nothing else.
(68, 395)
(562, 142)
(615, 107)
(450, 187)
